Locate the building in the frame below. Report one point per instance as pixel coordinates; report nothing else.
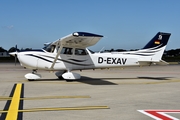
(4, 54)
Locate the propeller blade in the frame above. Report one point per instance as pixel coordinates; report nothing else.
(15, 55)
(15, 59)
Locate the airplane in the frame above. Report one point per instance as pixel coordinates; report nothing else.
(71, 53)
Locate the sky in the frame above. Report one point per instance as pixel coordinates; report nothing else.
(125, 24)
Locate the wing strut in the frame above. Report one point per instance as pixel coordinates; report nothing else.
(58, 53)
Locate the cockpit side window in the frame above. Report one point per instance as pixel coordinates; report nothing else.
(52, 48)
(66, 50)
(80, 51)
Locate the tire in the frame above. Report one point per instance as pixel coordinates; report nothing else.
(30, 79)
(60, 78)
(69, 80)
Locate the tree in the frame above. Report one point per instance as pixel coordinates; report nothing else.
(173, 52)
(112, 50)
(13, 49)
(120, 50)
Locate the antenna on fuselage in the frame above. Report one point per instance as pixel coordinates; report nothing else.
(101, 49)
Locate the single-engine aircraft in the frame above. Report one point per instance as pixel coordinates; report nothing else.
(70, 53)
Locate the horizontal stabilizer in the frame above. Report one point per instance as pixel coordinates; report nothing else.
(161, 62)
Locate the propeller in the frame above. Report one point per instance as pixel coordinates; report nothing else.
(15, 55)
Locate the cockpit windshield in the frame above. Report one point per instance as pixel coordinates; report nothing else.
(92, 52)
(49, 48)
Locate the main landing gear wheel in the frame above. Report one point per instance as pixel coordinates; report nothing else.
(59, 74)
(67, 75)
(30, 79)
(32, 76)
(70, 76)
(60, 78)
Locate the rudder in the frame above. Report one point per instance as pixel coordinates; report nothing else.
(158, 41)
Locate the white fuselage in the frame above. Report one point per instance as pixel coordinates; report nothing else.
(43, 60)
(71, 53)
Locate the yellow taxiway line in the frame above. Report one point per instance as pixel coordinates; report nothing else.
(45, 97)
(60, 109)
(14, 106)
(54, 97)
(65, 108)
(13, 110)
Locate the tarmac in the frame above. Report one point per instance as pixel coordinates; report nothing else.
(108, 94)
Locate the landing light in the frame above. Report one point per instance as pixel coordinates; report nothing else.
(75, 34)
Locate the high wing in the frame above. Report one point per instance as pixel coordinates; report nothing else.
(79, 39)
(76, 39)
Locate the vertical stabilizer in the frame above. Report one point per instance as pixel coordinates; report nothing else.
(158, 41)
(157, 45)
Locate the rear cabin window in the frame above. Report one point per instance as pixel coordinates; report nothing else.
(80, 51)
(66, 50)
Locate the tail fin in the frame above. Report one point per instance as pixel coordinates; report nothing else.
(154, 49)
(158, 41)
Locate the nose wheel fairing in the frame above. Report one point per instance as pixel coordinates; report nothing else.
(32, 76)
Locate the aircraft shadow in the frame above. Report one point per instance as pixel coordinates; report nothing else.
(46, 80)
(152, 78)
(94, 81)
(104, 81)
(156, 78)
(86, 80)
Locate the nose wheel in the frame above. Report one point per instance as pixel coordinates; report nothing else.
(32, 76)
(34, 71)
